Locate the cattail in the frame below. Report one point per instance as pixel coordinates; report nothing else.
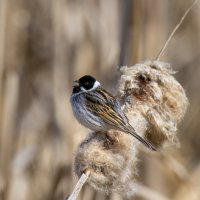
(111, 159)
(155, 103)
(153, 96)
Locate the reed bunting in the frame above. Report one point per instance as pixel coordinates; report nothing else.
(98, 110)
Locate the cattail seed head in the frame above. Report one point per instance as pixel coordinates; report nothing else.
(111, 159)
(151, 93)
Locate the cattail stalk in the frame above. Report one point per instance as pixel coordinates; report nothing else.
(78, 186)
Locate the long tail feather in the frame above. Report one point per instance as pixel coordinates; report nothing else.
(142, 140)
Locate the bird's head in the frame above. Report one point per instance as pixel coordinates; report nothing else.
(85, 83)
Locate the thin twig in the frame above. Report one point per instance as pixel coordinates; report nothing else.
(78, 186)
(175, 29)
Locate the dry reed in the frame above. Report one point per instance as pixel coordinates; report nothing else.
(44, 46)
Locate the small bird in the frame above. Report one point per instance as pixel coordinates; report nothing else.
(98, 110)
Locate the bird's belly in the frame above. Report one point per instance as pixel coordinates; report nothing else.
(85, 117)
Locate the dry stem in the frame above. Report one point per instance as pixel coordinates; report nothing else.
(175, 29)
(78, 186)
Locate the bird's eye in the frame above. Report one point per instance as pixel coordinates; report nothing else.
(86, 83)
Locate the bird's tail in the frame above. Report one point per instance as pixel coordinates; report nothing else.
(132, 131)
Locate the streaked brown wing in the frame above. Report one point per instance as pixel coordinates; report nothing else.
(106, 111)
(105, 95)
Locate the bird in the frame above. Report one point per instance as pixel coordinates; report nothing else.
(98, 110)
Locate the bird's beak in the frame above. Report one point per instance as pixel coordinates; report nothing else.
(76, 84)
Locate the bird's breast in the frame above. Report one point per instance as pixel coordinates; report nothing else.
(83, 115)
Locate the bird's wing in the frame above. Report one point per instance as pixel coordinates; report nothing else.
(102, 104)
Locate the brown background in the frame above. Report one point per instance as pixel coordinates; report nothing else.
(44, 46)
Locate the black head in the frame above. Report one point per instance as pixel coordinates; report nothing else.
(86, 83)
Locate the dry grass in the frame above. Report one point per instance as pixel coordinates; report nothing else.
(44, 46)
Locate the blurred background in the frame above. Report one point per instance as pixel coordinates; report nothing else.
(44, 46)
